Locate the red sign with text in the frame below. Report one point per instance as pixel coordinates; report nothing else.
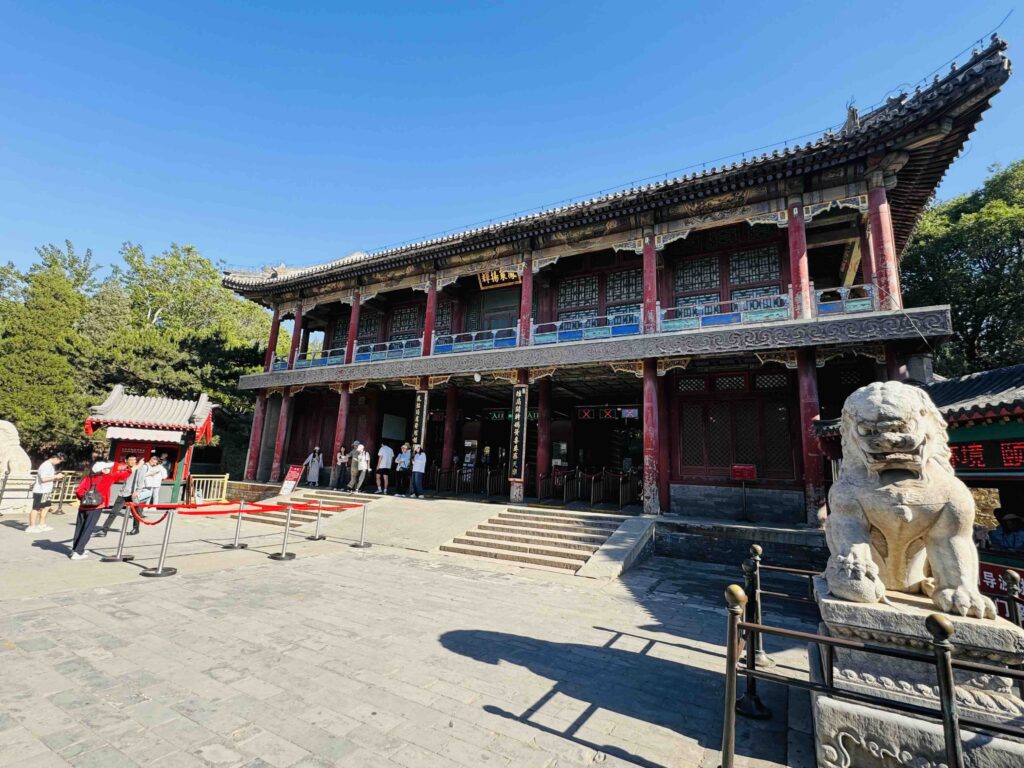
(988, 456)
(292, 478)
(744, 472)
(992, 583)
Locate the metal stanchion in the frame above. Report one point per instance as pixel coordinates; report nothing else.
(941, 629)
(119, 557)
(160, 570)
(362, 543)
(736, 599)
(1012, 579)
(752, 580)
(284, 554)
(238, 530)
(317, 536)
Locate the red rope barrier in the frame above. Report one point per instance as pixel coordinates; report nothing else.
(230, 508)
(133, 508)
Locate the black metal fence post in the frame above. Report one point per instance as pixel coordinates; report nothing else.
(736, 600)
(941, 629)
(1012, 579)
(752, 578)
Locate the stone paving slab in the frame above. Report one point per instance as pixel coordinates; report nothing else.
(378, 657)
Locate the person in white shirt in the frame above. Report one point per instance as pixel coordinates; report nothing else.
(41, 490)
(385, 458)
(360, 460)
(155, 476)
(419, 468)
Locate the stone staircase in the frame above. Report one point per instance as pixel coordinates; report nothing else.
(550, 538)
(307, 496)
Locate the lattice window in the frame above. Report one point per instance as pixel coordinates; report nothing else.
(340, 334)
(719, 435)
(697, 275)
(701, 304)
(765, 381)
(849, 378)
(578, 314)
(369, 326)
(625, 313)
(577, 292)
(746, 299)
(624, 286)
(692, 438)
(692, 385)
(443, 316)
(759, 265)
(778, 447)
(406, 319)
(745, 428)
(730, 383)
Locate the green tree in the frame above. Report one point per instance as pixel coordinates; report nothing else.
(42, 388)
(969, 252)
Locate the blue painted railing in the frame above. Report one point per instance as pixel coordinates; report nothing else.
(757, 309)
(601, 327)
(388, 350)
(475, 341)
(842, 301)
(321, 358)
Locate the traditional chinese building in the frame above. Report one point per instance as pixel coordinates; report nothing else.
(688, 332)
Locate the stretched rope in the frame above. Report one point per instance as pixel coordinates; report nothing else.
(133, 508)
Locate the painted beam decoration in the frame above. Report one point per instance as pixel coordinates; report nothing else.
(498, 278)
(419, 417)
(517, 449)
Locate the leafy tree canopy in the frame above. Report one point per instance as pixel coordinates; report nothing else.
(968, 252)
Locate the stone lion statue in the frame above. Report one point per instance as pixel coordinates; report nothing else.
(12, 458)
(900, 520)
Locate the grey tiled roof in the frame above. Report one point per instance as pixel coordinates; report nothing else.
(986, 394)
(962, 93)
(138, 411)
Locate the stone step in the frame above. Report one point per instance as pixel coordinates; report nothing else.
(539, 540)
(530, 549)
(609, 525)
(337, 496)
(551, 526)
(261, 519)
(583, 537)
(515, 557)
(575, 514)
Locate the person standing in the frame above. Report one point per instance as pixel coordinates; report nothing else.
(41, 490)
(360, 465)
(341, 462)
(156, 473)
(313, 464)
(402, 461)
(419, 469)
(385, 458)
(93, 495)
(130, 492)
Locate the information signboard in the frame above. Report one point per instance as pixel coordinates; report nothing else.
(291, 479)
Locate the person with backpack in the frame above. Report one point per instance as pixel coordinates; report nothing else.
(130, 493)
(93, 495)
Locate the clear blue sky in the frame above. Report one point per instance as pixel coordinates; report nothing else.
(264, 132)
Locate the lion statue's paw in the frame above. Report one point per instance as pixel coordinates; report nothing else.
(854, 577)
(964, 601)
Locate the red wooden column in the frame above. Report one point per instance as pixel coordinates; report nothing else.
(798, 268)
(451, 405)
(296, 336)
(275, 329)
(526, 302)
(340, 427)
(810, 412)
(664, 491)
(353, 329)
(543, 428)
(651, 448)
(252, 458)
(429, 315)
(887, 273)
(283, 419)
(867, 259)
(650, 285)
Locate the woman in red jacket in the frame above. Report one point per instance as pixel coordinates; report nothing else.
(101, 480)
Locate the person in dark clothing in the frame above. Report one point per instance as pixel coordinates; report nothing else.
(100, 480)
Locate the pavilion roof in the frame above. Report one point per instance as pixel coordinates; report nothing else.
(959, 98)
(152, 413)
(978, 396)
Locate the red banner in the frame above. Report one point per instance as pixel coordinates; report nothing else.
(992, 583)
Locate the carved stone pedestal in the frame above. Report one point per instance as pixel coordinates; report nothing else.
(852, 735)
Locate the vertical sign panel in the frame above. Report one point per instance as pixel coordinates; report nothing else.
(517, 450)
(419, 418)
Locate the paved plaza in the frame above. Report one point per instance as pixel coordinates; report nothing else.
(380, 657)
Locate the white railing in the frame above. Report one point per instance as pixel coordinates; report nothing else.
(756, 309)
(845, 300)
(388, 350)
(599, 327)
(473, 341)
(208, 487)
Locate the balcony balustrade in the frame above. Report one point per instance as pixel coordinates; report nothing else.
(684, 317)
(475, 341)
(756, 309)
(579, 329)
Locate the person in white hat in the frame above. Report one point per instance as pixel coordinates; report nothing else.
(93, 498)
